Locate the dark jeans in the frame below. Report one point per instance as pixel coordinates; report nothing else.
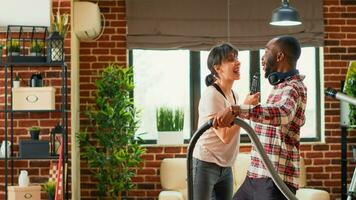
(260, 189)
(210, 181)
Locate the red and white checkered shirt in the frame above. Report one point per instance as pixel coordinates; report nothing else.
(278, 124)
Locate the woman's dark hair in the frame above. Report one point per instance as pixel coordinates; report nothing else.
(218, 54)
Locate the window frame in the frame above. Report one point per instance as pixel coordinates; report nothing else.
(194, 69)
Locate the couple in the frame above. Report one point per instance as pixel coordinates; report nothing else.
(278, 124)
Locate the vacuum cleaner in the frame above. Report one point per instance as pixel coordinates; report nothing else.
(251, 133)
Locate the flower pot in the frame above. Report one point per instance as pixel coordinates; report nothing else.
(35, 135)
(36, 54)
(170, 137)
(16, 84)
(50, 197)
(14, 53)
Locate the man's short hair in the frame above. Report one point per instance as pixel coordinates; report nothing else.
(290, 47)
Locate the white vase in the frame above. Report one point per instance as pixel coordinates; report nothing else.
(16, 84)
(23, 179)
(170, 137)
(3, 148)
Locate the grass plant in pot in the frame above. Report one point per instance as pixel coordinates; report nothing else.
(35, 132)
(13, 47)
(37, 48)
(50, 188)
(350, 89)
(170, 123)
(16, 82)
(111, 148)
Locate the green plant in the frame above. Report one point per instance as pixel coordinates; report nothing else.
(37, 46)
(350, 89)
(17, 77)
(34, 128)
(13, 45)
(169, 119)
(50, 188)
(112, 151)
(60, 23)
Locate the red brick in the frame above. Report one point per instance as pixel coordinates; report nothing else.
(152, 179)
(172, 149)
(332, 169)
(147, 157)
(163, 156)
(146, 172)
(332, 154)
(155, 164)
(314, 155)
(321, 161)
(314, 169)
(154, 150)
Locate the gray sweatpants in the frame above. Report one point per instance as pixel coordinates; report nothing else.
(211, 181)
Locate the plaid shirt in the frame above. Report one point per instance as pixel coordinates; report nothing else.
(278, 126)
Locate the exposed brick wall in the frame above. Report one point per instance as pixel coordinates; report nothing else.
(94, 56)
(38, 169)
(322, 160)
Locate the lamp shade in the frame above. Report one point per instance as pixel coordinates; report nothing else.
(285, 16)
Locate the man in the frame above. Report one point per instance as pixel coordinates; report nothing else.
(278, 122)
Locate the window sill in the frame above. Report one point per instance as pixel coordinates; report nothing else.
(164, 145)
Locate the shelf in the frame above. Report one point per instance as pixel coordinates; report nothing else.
(34, 111)
(33, 64)
(41, 158)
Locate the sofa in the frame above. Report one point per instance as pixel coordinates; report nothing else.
(173, 174)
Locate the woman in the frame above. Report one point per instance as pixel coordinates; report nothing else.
(216, 149)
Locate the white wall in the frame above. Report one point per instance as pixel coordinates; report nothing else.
(25, 12)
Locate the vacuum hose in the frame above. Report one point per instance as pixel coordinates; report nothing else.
(251, 133)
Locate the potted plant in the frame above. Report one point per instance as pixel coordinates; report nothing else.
(16, 82)
(1, 47)
(60, 23)
(350, 89)
(36, 48)
(112, 150)
(34, 132)
(170, 124)
(13, 47)
(50, 188)
(55, 41)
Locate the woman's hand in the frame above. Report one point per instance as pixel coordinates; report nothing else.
(252, 99)
(223, 118)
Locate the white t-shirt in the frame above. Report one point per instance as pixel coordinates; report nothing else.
(209, 147)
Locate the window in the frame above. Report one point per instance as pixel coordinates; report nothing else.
(161, 79)
(173, 77)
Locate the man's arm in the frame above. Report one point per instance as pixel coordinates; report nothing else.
(279, 113)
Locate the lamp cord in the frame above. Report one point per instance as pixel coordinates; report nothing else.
(228, 20)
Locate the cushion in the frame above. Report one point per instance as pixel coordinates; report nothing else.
(173, 173)
(306, 193)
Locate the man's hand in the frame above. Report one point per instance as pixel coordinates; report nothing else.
(252, 99)
(223, 118)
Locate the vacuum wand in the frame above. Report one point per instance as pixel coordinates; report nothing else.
(340, 96)
(254, 138)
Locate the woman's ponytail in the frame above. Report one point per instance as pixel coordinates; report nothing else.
(209, 79)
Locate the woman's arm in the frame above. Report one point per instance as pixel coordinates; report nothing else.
(225, 134)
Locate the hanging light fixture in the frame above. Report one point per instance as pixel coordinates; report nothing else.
(285, 15)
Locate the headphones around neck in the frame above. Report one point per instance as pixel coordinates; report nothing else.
(278, 77)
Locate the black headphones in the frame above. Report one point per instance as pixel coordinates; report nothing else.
(278, 77)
